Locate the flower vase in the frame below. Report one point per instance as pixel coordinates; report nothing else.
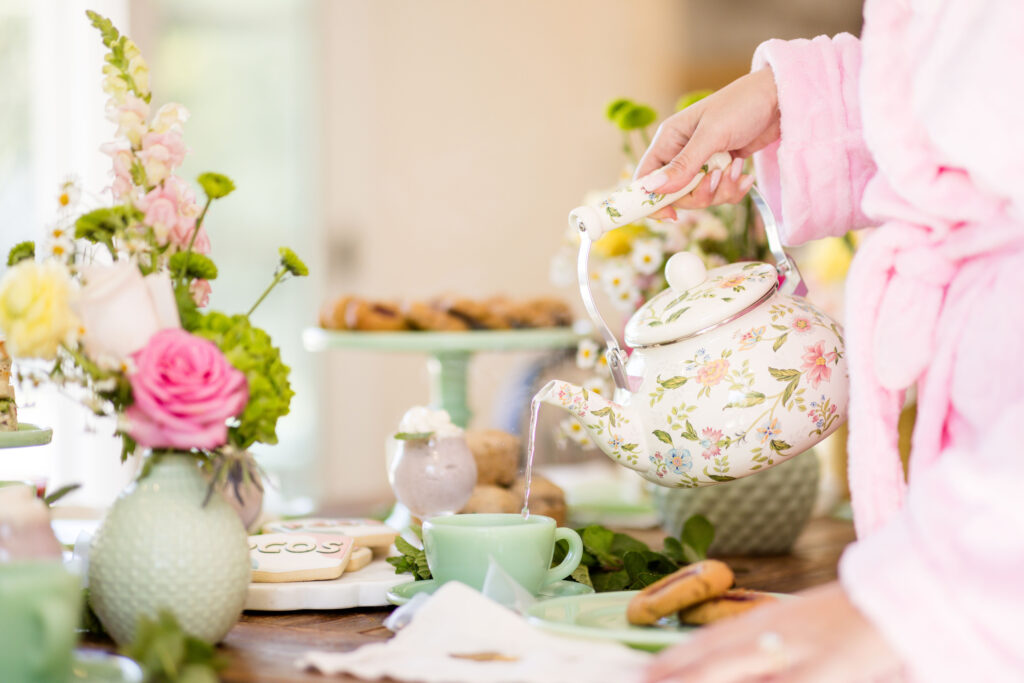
(165, 546)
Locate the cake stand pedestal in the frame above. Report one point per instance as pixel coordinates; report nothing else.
(449, 354)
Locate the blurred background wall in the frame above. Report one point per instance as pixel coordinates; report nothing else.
(406, 148)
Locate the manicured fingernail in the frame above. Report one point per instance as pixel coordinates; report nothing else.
(716, 177)
(735, 169)
(746, 183)
(652, 181)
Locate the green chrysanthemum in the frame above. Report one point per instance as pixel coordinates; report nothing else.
(292, 263)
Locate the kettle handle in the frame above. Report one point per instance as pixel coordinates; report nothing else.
(586, 220)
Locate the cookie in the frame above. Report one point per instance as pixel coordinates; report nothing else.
(333, 313)
(367, 533)
(487, 498)
(479, 315)
(690, 585)
(374, 316)
(298, 557)
(360, 558)
(729, 604)
(432, 318)
(496, 454)
(546, 498)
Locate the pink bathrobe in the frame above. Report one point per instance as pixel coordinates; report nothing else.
(919, 128)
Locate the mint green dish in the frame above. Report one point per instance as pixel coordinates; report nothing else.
(40, 604)
(401, 594)
(602, 616)
(27, 435)
(97, 666)
(460, 548)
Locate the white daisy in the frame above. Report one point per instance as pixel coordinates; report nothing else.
(647, 256)
(597, 385)
(587, 354)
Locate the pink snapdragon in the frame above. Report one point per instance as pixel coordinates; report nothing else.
(130, 117)
(161, 153)
(200, 291)
(171, 210)
(184, 390)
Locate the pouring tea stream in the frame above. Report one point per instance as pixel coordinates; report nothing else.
(731, 370)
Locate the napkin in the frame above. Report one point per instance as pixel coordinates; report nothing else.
(459, 636)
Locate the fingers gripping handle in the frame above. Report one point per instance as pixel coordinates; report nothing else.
(633, 202)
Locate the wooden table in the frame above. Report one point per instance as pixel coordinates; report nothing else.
(264, 647)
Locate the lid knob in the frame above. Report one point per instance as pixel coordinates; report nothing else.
(684, 271)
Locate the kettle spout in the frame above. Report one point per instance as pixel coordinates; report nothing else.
(615, 429)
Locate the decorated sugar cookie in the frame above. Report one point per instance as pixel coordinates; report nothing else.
(360, 558)
(298, 557)
(367, 532)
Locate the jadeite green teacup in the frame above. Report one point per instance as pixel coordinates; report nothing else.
(459, 548)
(40, 603)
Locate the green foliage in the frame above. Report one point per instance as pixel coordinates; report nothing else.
(193, 266)
(412, 560)
(413, 436)
(292, 263)
(691, 97)
(118, 46)
(216, 185)
(52, 498)
(22, 251)
(250, 349)
(100, 226)
(167, 654)
(187, 309)
(616, 107)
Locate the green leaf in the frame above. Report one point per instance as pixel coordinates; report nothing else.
(601, 412)
(675, 316)
(780, 341)
(778, 445)
(672, 382)
(193, 266)
(582, 575)
(187, 309)
(663, 436)
(403, 546)
(624, 543)
(52, 498)
(673, 549)
(698, 533)
(784, 375)
(611, 581)
(108, 33)
(616, 107)
(167, 653)
(690, 434)
(22, 251)
(720, 477)
(413, 436)
(216, 185)
(751, 398)
(292, 263)
(634, 563)
(790, 388)
(597, 539)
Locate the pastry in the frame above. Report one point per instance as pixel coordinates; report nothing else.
(298, 557)
(360, 558)
(333, 313)
(367, 533)
(432, 318)
(374, 316)
(542, 312)
(546, 498)
(690, 585)
(496, 454)
(479, 315)
(487, 498)
(729, 604)
(8, 408)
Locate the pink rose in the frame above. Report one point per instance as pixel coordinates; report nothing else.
(184, 390)
(120, 310)
(161, 154)
(171, 210)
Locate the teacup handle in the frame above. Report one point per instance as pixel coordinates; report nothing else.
(572, 558)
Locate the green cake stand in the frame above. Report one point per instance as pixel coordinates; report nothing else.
(449, 354)
(27, 435)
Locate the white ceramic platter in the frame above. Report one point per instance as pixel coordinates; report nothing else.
(367, 587)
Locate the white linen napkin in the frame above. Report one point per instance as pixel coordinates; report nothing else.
(459, 636)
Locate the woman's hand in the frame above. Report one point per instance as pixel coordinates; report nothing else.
(741, 118)
(820, 637)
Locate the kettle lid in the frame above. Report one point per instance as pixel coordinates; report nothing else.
(698, 299)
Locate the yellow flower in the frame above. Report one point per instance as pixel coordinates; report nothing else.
(35, 309)
(618, 242)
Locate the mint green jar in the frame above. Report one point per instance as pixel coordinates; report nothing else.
(160, 548)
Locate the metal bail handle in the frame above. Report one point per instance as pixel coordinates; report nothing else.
(790, 280)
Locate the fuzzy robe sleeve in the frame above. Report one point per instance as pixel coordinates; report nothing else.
(814, 176)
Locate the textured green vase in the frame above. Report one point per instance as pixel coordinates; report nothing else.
(762, 514)
(160, 548)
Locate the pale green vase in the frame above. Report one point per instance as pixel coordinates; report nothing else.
(160, 548)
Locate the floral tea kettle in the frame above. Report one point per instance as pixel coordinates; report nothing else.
(731, 371)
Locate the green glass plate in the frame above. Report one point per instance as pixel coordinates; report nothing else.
(602, 616)
(27, 435)
(96, 666)
(317, 339)
(399, 595)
